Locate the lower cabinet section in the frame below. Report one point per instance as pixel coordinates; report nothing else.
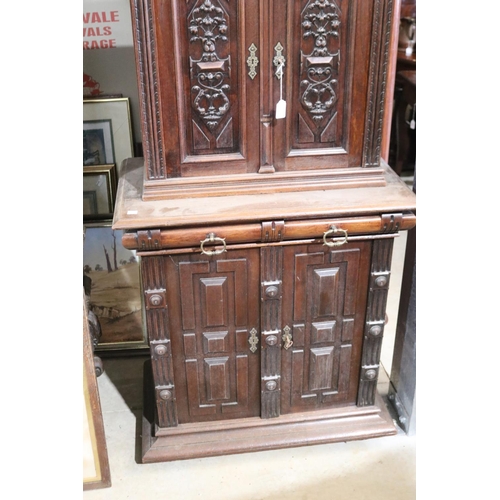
(264, 347)
(196, 440)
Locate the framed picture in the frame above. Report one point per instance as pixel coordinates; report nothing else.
(115, 289)
(97, 143)
(99, 192)
(107, 131)
(96, 472)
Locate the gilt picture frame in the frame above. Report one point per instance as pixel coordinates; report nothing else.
(99, 192)
(115, 290)
(96, 470)
(97, 113)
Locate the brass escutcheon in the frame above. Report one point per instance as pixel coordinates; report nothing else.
(253, 340)
(252, 61)
(287, 337)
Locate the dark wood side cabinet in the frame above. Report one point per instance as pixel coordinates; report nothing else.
(265, 237)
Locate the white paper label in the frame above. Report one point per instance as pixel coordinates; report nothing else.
(280, 109)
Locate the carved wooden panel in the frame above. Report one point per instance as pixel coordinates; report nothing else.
(271, 299)
(195, 87)
(157, 324)
(324, 292)
(214, 302)
(375, 320)
(208, 87)
(321, 79)
(336, 54)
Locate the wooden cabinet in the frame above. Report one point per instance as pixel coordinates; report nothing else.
(262, 332)
(265, 238)
(211, 74)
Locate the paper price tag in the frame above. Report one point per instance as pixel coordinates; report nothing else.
(280, 109)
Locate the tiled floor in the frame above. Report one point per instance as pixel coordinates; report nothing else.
(375, 469)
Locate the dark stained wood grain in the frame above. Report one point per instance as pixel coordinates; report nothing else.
(204, 116)
(213, 308)
(324, 294)
(263, 333)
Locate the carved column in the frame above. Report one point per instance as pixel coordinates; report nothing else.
(154, 281)
(375, 320)
(379, 61)
(271, 299)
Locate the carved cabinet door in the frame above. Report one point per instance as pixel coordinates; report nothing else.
(204, 88)
(214, 318)
(324, 305)
(324, 45)
(211, 73)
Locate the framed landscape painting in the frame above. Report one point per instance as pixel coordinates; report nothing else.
(115, 290)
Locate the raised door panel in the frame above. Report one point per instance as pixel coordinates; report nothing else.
(203, 90)
(214, 308)
(324, 301)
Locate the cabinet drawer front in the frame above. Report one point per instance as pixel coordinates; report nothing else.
(324, 300)
(265, 232)
(213, 308)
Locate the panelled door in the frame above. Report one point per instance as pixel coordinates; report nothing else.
(212, 72)
(214, 318)
(324, 47)
(324, 301)
(207, 95)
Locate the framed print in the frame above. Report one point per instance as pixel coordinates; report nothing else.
(97, 143)
(115, 291)
(96, 472)
(99, 192)
(98, 114)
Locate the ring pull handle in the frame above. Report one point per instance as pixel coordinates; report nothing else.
(211, 238)
(334, 230)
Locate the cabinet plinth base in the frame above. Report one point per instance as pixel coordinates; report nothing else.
(282, 182)
(207, 439)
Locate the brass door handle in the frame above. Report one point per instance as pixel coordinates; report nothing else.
(334, 230)
(211, 238)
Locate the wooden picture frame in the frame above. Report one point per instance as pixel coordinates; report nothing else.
(99, 192)
(96, 472)
(116, 293)
(116, 111)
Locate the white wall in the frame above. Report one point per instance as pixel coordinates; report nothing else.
(108, 24)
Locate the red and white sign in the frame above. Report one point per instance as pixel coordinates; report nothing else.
(106, 24)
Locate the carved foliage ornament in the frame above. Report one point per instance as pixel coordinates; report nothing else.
(320, 22)
(208, 27)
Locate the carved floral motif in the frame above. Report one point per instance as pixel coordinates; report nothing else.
(321, 22)
(210, 74)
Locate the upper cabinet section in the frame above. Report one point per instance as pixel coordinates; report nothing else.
(211, 75)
